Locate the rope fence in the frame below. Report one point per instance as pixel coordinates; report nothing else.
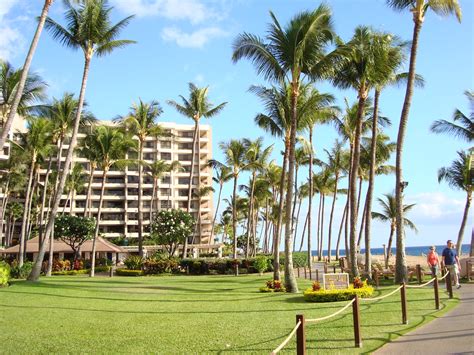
(299, 328)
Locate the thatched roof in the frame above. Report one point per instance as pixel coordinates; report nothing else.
(102, 245)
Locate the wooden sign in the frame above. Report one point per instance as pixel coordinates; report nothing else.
(336, 281)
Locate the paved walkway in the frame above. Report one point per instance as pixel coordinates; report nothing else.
(453, 333)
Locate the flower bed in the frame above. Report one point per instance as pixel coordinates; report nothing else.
(317, 294)
(273, 286)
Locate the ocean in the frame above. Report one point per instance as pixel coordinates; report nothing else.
(415, 251)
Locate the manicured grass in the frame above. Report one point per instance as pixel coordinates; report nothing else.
(189, 314)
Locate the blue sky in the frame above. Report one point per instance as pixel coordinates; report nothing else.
(191, 41)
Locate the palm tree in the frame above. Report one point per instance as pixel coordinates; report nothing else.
(90, 151)
(289, 54)
(33, 91)
(223, 174)
(75, 184)
(196, 107)
(36, 145)
(462, 126)
(457, 176)
(389, 214)
(23, 85)
(202, 192)
(418, 9)
(88, 28)
(112, 146)
(157, 170)
(14, 212)
(358, 66)
(141, 122)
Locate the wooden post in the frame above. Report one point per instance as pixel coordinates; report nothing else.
(377, 279)
(298, 271)
(325, 268)
(236, 269)
(300, 336)
(334, 267)
(356, 318)
(111, 271)
(305, 272)
(404, 303)
(418, 273)
(449, 285)
(436, 291)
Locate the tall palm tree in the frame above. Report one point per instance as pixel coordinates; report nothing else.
(418, 9)
(34, 90)
(458, 177)
(89, 29)
(90, 151)
(358, 66)
(112, 146)
(75, 184)
(223, 174)
(462, 126)
(389, 214)
(157, 170)
(36, 143)
(289, 54)
(141, 122)
(196, 107)
(14, 212)
(23, 84)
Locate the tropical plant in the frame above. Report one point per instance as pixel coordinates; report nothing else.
(75, 184)
(141, 122)
(389, 214)
(457, 176)
(223, 174)
(74, 231)
(196, 107)
(157, 170)
(418, 9)
(89, 29)
(289, 54)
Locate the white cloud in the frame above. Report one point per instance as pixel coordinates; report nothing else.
(11, 39)
(196, 39)
(194, 11)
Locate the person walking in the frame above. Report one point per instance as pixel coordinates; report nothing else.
(451, 262)
(433, 261)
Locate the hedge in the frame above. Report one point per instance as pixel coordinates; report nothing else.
(127, 272)
(334, 295)
(81, 272)
(4, 274)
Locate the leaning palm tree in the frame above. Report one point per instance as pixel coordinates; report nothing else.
(89, 29)
(389, 214)
(157, 170)
(75, 184)
(462, 126)
(22, 87)
(458, 177)
(141, 122)
(289, 54)
(223, 174)
(418, 9)
(112, 146)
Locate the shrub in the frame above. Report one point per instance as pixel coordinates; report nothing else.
(81, 272)
(61, 265)
(316, 286)
(357, 282)
(17, 272)
(128, 272)
(335, 295)
(152, 266)
(300, 259)
(273, 286)
(133, 262)
(261, 264)
(4, 274)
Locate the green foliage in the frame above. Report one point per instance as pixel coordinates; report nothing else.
(334, 295)
(74, 230)
(171, 227)
(273, 286)
(300, 259)
(81, 272)
(261, 263)
(134, 262)
(20, 272)
(127, 272)
(154, 266)
(4, 274)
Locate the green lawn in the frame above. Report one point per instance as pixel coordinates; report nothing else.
(188, 314)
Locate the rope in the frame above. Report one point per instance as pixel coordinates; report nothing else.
(444, 276)
(331, 315)
(282, 345)
(381, 297)
(422, 285)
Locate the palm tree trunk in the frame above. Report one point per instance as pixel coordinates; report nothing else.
(310, 197)
(344, 213)
(362, 225)
(153, 199)
(43, 200)
(87, 207)
(290, 280)
(190, 188)
(30, 206)
(353, 185)
(198, 187)
(217, 209)
(24, 73)
(389, 245)
(267, 225)
(401, 263)
(309, 256)
(334, 198)
(295, 198)
(96, 232)
(296, 224)
(24, 224)
(252, 188)
(463, 223)
(51, 254)
(140, 200)
(35, 272)
(3, 207)
(234, 215)
(318, 227)
(276, 239)
(370, 188)
(322, 226)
